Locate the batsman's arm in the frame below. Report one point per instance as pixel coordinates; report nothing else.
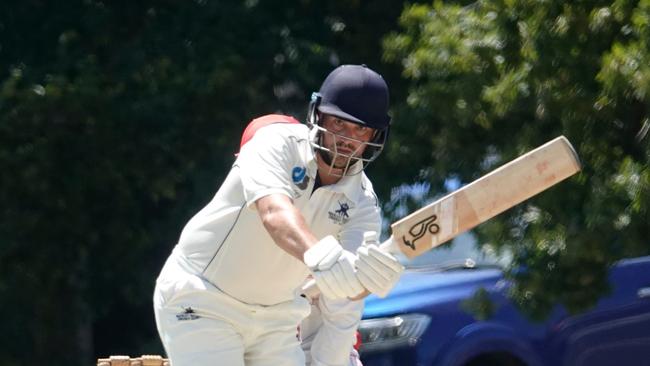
(285, 224)
(328, 262)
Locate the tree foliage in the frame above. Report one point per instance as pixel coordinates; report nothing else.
(118, 120)
(493, 79)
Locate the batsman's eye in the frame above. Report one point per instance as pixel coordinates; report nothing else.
(338, 125)
(363, 131)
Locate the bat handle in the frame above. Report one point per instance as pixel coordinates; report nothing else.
(310, 289)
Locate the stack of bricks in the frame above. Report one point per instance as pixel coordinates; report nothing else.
(144, 360)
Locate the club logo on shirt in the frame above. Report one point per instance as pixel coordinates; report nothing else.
(300, 177)
(187, 314)
(340, 215)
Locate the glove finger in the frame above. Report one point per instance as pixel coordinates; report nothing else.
(389, 271)
(379, 289)
(379, 270)
(368, 283)
(346, 286)
(386, 258)
(352, 282)
(370, 269)
(337, 280)
(369, 277)
(324, 284)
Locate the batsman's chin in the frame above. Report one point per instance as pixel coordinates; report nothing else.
(382, 334)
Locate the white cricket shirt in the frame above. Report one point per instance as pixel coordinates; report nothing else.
(226, 242)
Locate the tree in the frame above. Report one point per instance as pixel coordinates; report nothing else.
(118, 120)
(489, 81)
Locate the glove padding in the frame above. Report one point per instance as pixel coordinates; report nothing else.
(333, 269)
(377, 270)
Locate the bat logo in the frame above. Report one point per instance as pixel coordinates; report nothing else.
(420, 229)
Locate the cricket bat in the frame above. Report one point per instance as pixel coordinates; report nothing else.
(480, 200)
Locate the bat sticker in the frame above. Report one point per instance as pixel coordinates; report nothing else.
(420, 229)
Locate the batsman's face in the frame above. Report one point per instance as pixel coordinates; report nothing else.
(346, 139)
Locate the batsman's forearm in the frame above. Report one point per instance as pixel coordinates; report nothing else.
(286, 225)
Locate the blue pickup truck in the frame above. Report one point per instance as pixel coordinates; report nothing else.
(423, 321)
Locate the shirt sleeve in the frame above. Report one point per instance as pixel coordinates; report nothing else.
(265, 164)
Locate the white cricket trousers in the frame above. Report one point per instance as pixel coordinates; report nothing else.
(201, 326)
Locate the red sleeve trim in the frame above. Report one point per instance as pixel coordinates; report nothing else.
(260, 122)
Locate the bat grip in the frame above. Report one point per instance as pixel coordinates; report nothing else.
(311, 291)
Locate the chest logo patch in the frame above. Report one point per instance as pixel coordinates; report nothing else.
(340, 215)
(300, 177)
(187, 314)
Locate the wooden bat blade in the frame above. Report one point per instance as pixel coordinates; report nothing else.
(486, 197)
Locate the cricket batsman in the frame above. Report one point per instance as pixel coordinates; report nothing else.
(295, 205)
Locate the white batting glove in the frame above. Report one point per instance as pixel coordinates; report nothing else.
(377, 270)
(333, 269)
